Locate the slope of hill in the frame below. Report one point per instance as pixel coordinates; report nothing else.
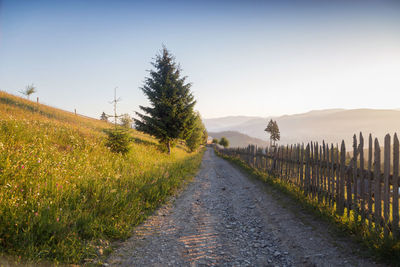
(331, 125)
(64, 196)
(237, 139)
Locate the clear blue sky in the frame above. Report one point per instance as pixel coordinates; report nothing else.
(243, 57)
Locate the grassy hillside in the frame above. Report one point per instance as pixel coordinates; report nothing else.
(64, 196)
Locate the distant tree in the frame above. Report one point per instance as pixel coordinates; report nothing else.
(29, 89)
(215, 141)
(224, 142)
(196, 137)
(170, 115)
(126, 121)
(273, 130)
(103, 116)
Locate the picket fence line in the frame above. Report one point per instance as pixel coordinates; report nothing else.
(324, 174)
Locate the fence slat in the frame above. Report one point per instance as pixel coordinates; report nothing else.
(327, 176)
(377, 189)
(355, 179)
(337, 171)
(307, 181)
(342, 178)
(395, 205)
(325, 165)
(370, 181)
(332, 174)
(315, 174)
(301, 165)
(319, 181)
(386, 192)
(362, 177)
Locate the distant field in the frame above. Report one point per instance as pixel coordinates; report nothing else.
(64, 196)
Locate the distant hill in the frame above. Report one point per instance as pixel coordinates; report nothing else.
(237, 139)
(331, 125)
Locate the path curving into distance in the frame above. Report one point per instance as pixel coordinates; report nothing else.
(224, 218)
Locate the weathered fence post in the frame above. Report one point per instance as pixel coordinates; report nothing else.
(386, 186)
(395, 205)
(307, 176)
(370, 217)
(301, 165)
(354, 207)
(377, 189)
(319, 174)
(342, 178)
(337, 171)
(332, 175)
(325, 176)
(312, 172)
(362, 178)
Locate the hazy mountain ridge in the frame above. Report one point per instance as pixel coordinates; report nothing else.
(331, 125)
(237, 139)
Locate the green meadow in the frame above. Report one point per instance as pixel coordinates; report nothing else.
(64, 196)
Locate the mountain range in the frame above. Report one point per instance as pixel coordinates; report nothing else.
(331, 125)
(237, 139)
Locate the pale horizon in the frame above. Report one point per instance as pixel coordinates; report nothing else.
(253, 58)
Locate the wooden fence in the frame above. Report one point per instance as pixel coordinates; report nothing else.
(363, 184)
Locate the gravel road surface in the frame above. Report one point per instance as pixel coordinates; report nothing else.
(224, 218)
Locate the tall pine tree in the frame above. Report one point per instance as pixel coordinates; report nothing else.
(170, 115)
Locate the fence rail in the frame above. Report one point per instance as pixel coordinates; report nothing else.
(356, 185)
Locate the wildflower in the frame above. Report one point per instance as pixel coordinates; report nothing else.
(58, 219)
(22, 166)
(36, 213)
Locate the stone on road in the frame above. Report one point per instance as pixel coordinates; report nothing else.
(223, 218)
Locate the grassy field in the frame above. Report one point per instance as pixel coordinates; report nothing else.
(64, 196)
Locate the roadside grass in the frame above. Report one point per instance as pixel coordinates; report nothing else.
(372, 243)
(64, 196)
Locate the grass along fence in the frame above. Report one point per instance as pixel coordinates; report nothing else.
(362, 187)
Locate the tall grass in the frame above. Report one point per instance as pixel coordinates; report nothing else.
(64, 196)
(374, 243)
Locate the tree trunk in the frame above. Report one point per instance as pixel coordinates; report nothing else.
(169, 147)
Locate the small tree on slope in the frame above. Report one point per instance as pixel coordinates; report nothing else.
(170, 115)
(29, 89)
(224, 142)
(273, 130)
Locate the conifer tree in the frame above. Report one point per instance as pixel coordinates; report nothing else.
(197, 135)
(103, 116)
(170, 115)
(273, 130)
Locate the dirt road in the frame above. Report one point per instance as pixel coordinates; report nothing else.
(224, 218)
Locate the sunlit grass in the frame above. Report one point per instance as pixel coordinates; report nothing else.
(373, 241)
(64, 196)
